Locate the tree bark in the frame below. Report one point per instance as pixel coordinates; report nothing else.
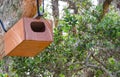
(55, 12)
(106, 5)
(72, 5)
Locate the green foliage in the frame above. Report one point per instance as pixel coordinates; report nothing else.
(3, 75)
(74, 38)
(110, 25)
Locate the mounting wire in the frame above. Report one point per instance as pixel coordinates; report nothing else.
(3, 27)
(38, 11)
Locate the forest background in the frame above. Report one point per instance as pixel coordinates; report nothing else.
(86, 40)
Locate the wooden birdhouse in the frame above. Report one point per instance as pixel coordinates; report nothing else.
(28, 37)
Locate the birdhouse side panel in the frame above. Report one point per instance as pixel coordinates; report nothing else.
(14, 36)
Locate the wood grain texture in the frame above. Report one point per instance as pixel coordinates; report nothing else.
(40, 36)
(29, 48)
(21, 40)
(14, 36)
(22, 8)
(2, 52)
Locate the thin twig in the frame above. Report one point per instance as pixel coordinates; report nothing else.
(94, 57)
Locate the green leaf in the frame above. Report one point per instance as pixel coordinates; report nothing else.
(62, 75)
(118, 34)
(111, 61)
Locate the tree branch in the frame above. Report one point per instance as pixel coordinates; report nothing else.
(100, 62)
(103, 67)
(106, 5)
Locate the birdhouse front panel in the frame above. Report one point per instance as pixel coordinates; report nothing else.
(28, 37)
(40, 30)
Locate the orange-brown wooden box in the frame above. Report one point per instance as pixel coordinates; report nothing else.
(28, 37)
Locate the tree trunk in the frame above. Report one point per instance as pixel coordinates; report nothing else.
(72, 5)
(55, 12)
(106, 5)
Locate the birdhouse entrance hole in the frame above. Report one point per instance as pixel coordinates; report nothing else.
(38, 26)
(27, 37)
